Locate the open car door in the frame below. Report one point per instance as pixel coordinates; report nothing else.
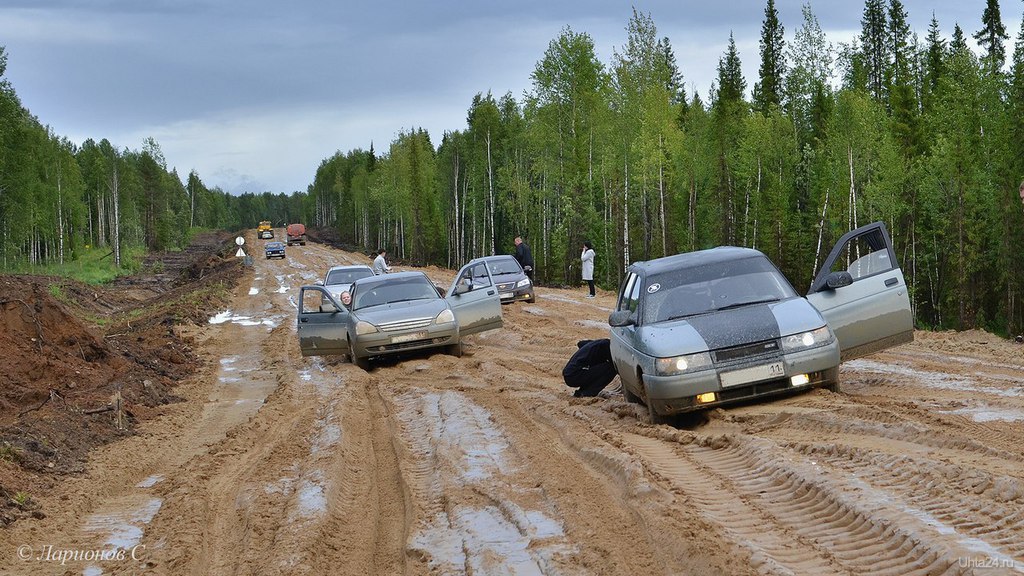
(322, 323)
(861, 293)
(474, 299)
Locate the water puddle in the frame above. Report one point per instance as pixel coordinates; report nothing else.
(228, 316)
(151, 481)
(121, 530)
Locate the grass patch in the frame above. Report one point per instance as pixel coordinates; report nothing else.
(22, 498)
(92, 266)
(9, 453)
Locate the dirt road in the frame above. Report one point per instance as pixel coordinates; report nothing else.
(278, 464)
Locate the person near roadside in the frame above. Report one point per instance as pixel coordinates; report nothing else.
(380, 264)
(591, 368)
(588, 267)
(524, 257)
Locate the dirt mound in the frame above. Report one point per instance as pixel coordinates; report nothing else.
(84, 364)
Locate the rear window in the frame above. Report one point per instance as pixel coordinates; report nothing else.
(697, 290)
(347, 276)
(504, 266)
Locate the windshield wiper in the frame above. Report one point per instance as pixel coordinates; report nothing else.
(748, 303)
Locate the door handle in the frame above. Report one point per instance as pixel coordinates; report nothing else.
(892, 282)
(303, 319)
(490, 292)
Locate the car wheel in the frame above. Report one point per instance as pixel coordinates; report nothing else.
(531, 300)
(654, 418)
(361, 361)
(629, 396)
(834, 386)
(454, 349)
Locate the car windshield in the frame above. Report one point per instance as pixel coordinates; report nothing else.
(393, 290)
(347, 276)
(718, 286)
(504, 266)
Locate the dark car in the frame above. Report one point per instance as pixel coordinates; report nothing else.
(513, 283)
(395, 313)
(274, 250)
(707, 328)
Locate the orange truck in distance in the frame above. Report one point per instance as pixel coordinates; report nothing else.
(296, 234)
(265, 230)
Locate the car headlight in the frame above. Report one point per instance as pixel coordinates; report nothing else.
(682, 364)
(365, 328)
(445, 317)
(804, 340)
(523, 283)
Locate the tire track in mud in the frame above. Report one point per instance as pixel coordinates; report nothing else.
(475, 512)
(774, 500)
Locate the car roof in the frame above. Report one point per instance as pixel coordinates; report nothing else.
(498, 257)
(694, 259)
(384, 278)
(349, 267)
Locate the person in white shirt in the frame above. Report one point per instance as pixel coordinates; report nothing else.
(380, 265)
(588, 266)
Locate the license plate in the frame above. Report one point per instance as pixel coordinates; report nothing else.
(754, 374)
(505, 295)
(408, 337)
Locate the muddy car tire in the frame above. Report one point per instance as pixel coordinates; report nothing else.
(834, 387)
(454, 349)
(362, 362)
(629, 396)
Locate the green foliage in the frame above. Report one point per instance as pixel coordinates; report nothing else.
(928, 138)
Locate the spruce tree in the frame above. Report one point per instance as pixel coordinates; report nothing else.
(875, 46)
(992, 35)
(768, 90)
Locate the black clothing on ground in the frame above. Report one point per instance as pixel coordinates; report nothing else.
(525, 258)
(590, 369)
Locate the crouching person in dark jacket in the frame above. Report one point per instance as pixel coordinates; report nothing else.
(590, 369)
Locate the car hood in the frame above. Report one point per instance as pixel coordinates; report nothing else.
(503, 278)
(729, 328)
(399, 311)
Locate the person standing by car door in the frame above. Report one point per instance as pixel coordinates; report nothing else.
(588, 266)
(380, 265)
(524, 257)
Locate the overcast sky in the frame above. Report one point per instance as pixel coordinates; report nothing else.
(254, 94)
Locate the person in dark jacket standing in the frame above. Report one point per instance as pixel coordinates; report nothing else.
(524, 257)
(590, 369)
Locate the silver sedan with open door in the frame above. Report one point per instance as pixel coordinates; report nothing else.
(717, 326)
(395, 313)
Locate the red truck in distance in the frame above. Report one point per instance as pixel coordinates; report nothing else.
(296, 234)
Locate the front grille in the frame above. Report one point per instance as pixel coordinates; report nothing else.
(747, 351)
(414, 324)
(507, 286)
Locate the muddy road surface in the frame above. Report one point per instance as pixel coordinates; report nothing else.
(485, 464)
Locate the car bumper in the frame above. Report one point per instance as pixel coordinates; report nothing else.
(275, 254)
(516, 294)
(676, 394)
(383, 343)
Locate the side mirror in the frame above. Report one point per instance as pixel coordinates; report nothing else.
(319, 282)
(621, 318)
(838, 280)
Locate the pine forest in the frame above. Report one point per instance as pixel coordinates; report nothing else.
(913, 128)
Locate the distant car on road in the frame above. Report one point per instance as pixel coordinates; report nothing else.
(274, 249)
(513, 283)
(707, 328)
(340, 278)
(394, 313)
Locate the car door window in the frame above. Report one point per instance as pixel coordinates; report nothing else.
(477, 275)
(630, 298)
(864, 255)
